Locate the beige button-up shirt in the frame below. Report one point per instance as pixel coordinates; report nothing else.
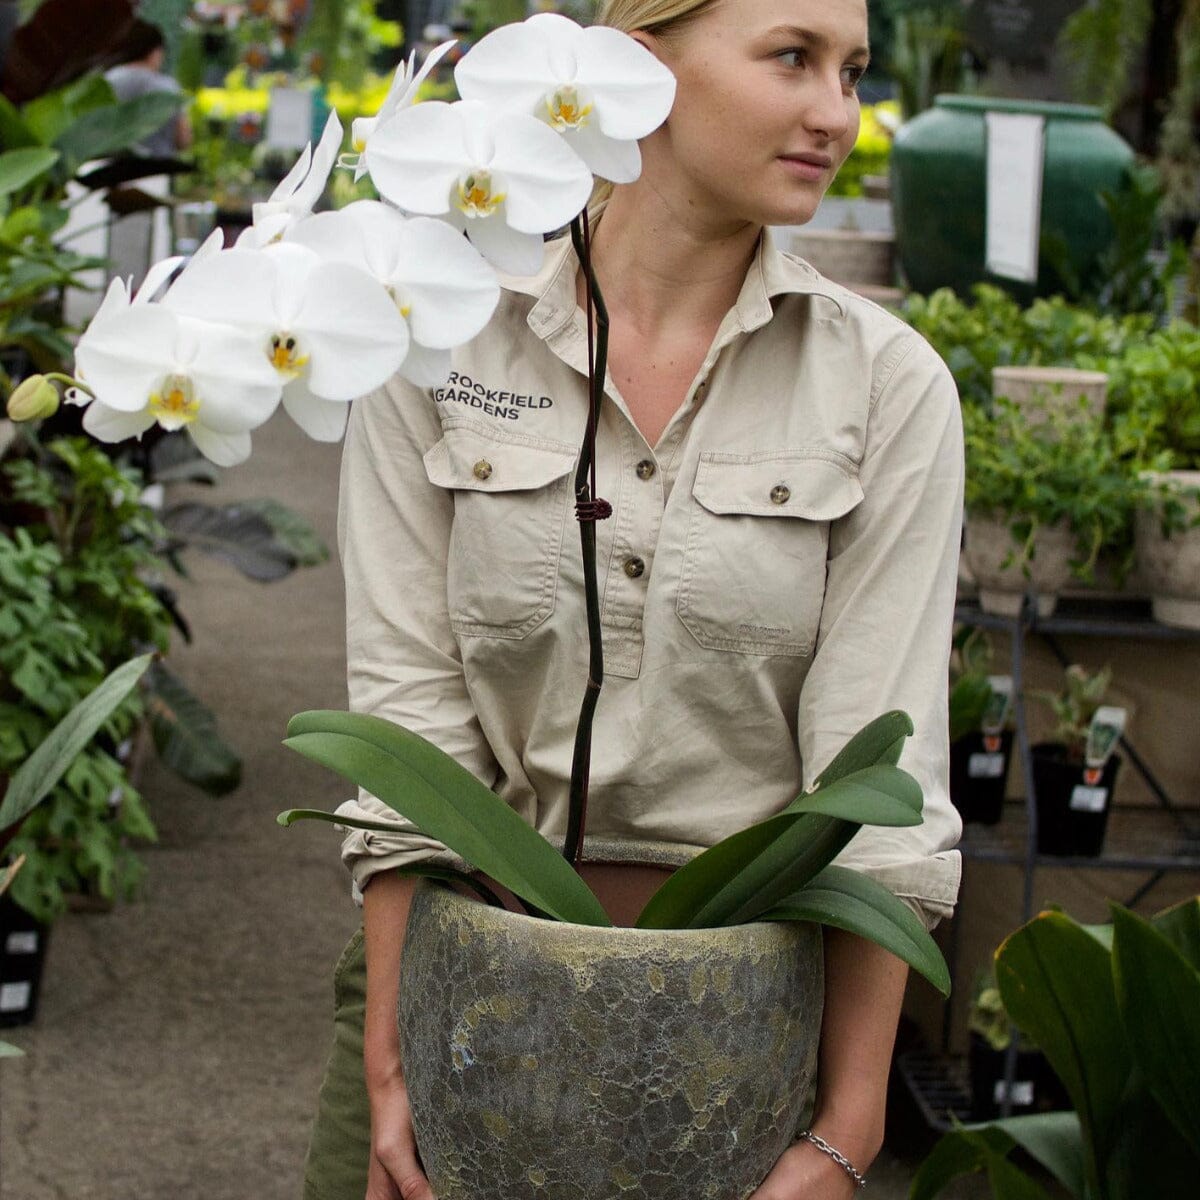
(779, 569)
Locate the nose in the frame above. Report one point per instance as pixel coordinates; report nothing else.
(827, 110)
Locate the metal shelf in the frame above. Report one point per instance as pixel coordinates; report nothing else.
(1091, 616)
(939, 1086)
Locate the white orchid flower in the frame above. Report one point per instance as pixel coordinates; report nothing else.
(440, 284)
(147, 365)
(403, 92)
(298, 191)
(598, 87)
(327, 331)
(505, 178)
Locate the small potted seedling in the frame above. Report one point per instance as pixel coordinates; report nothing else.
(1074, 774)
(980, 729)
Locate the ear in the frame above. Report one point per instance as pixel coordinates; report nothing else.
(651, 42)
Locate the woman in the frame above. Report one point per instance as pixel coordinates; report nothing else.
(784, 461)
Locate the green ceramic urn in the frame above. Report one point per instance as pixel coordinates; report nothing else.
(548, 1061)
(939, 192)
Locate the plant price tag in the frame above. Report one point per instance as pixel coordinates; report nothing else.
(24, 941)
(1022, 1092)
(985, 766)
(1089, 799)
(15, 997)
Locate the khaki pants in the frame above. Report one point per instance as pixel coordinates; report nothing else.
(340, 1149)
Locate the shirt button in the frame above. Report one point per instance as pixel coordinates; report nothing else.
(645, 469)
(634, 567)
(780, 494)
(482, 469)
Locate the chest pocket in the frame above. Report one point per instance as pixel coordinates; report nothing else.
(753, 574)
(511, 498)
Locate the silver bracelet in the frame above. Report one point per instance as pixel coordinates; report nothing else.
(860, 1180)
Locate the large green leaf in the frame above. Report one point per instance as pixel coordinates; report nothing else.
(20, 167)
(879, 741)
(854, 902)
(291, 530)
(441, 797)
(968, 1152)
(104, 131)
(7, 1050)
(1181, 927)
(1056, 982)
(37, 776)
(1055, 1139)
(1150, 1157)
(745, 874)
(1158, 993)
(186, 735)
(234, 533)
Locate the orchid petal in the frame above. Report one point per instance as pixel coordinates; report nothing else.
(506, 249)
(322, 419)
(236, 384)
(236, 287)
(156, 276)
(618, 161)
(416, 156)
(432, 59)
(631, 89)
(107, 424)
(334, 236)
(123, 358)
(545, 181)
(509, 67)
(292, 180)
(224, 449)
(426, 367)
(309, 192)
(116, 300)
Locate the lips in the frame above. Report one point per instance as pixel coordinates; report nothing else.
(810, 159)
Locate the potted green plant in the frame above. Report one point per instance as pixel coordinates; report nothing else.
(1116, 1010)
(980, 731)
(1073, 773)
(1043, 499)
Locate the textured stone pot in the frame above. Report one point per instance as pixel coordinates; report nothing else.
(1038, 391)
(1170, 566)
(848, 256)
(547, 1061)
(1002, 587)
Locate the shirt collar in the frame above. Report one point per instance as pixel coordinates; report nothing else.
(772, 273)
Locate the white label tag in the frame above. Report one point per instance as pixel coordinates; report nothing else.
(1089, 799)
(985, 766)
(1015, 160)
(1022, 1092)
(14, 997)
(24, 942)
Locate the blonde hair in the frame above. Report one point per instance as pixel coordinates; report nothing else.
(661, 17)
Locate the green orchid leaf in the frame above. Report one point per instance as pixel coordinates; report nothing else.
(969, 1151)
(100, 132)
(1180, 925)
(186, 735)
(21, 167)
(878, 742)
(877, 795)
(854, 902)
(1150, 1157)
(38, 775)
(1055, 979)
(1158, 994)
(427, 786)
(1055, 1140)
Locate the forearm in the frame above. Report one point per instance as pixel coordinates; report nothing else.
(864, 989)
(386, 902)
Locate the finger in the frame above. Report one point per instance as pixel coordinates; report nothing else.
(400, 1162)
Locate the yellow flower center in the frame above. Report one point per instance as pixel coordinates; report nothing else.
(565, 111)
(285, 355)
(475, 195)
(175, 404)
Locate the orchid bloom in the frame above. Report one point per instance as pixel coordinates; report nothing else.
(504, 178)
(402, 93)
(326, 331)
(147, 365)
(298, 191)
(598, 87)
(440, 285)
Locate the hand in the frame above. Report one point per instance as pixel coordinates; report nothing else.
(805, 1173)
(394, 1172)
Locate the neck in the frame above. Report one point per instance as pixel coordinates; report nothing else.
(665, 266)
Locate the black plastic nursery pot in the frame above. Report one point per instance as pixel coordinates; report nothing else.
(22, 956)
(1072, 812)
(979, 776)
(1034, 1089)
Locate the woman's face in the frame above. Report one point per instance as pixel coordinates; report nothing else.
(766, 109)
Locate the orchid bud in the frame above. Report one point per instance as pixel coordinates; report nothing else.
(33, 399)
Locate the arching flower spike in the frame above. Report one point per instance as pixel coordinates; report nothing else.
(327, 331)
(598, 87)
(299, 190)
(147, 365)
(442, 287)
(403, 92)
(505, 178)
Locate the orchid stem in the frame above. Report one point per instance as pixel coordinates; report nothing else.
(589, 509)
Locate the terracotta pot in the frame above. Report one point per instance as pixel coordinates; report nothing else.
(1040, 390)
(544, 1059)
(1170, 565)
(1002, 587)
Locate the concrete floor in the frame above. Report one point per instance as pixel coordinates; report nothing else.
(181, 1038)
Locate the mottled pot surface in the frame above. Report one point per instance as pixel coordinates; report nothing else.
(1171, 565)
(988, 543)
(547, 1061)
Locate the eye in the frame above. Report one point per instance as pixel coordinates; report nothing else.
(793, 57)
(852, 76)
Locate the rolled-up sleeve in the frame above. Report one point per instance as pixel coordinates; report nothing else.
(887, 619)
(403, 659)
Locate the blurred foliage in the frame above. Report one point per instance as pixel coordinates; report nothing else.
(872, 150)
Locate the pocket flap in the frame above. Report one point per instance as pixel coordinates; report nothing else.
(471, 460)
(815, 486)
